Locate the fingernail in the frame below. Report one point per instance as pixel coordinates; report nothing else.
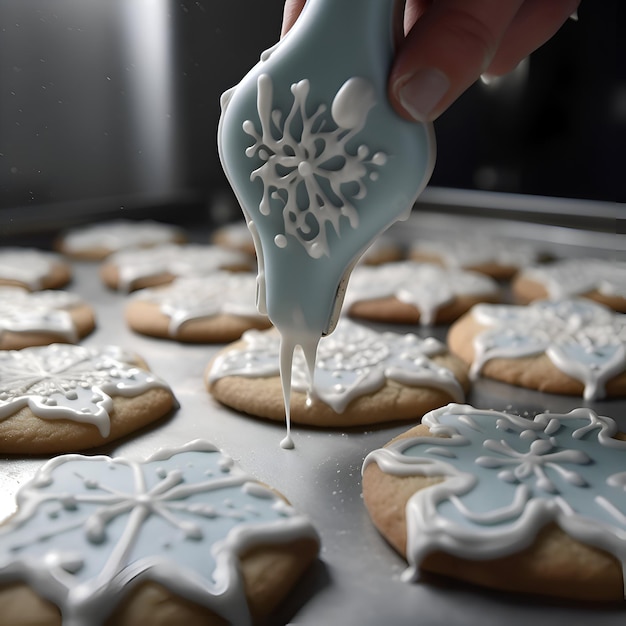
(422, 92)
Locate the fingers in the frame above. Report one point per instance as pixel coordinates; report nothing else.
(445, 51)
(534, 24)
(290, 14)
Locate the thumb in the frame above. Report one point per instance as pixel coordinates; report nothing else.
(444, 52)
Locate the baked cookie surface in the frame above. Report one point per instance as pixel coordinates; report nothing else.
(129, 270)
(216, 309)
(42, 317)
(573, 347)
(183, 537)
(597, 279)
(62, 397)
(95, 242)
(409, 292)
(361, 377)
(498, 500)
(493, 256)
(33, 269)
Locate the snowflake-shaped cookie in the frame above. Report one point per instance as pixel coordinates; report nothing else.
(69, 382)
(426, 286)
(505, 477)
(306, 156)
(351, 362)
(583, 339)
(89, 529)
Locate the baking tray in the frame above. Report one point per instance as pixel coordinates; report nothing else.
(357, 578)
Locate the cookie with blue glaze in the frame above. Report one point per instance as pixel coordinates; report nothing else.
(185, 537)
(572, 347)
(497, 500)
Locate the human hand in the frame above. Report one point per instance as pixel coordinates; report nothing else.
(449, 44)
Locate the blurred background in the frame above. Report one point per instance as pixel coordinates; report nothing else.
(110, 108)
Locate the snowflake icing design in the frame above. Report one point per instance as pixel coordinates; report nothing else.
(353, 361)
(566, 468)
(308, 168)
(89, 527)
(583, 339)
(70, 382)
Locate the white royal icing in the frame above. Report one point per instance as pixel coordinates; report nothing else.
(573, 277)
(22, 311)
(352, 362)
(220, 293)
(119, 234)
(292, 163)
(425, 286)
(68, 382)
(90, 529)
(27, 265)
(505, 477)
(180, 260)
(472, 251)
(583, 339)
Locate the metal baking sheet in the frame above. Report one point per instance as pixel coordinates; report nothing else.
(357, 578)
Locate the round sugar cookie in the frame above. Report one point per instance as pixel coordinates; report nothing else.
(572, 347)
(217, 308)
(533, 506)
(63, 398)
(95, 242)
(493, 256)
(42, 317)
(184, 537)
(129, 270)
(33, 269)
(597, 279)
(409, 292)
(361, 377)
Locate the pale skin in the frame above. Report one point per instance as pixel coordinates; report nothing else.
(449, 44)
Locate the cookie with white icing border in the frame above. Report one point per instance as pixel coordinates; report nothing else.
(361, 377)
(185, 537)
(42, 317)
(597, 279)
(571, 347)
(64, 398)
(534, 506)
(215, 309)
(129, 270)
(33, 269)
(493, 256)
(95, 242)
(409, 292)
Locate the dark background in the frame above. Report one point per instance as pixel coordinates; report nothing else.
(111, 106)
